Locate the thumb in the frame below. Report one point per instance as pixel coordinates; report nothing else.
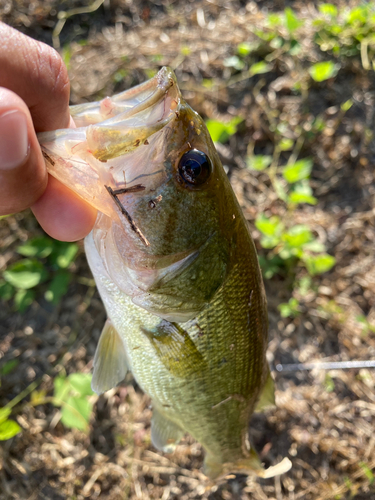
(23, 176)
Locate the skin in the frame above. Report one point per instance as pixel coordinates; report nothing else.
(34, 90)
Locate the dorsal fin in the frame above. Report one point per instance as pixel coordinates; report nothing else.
(109, 361)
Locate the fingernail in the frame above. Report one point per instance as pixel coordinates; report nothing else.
(14, 144)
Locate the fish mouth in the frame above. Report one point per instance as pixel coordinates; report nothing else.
(116, 140)
(128, 103)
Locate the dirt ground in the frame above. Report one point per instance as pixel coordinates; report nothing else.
(324, 421)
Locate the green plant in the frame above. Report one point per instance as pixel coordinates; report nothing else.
(220, 132)
(329, 383)
(368, 472)
(367, 326)
(74, 395)
(47, 263)
(323, 70)
(292, 243)
(289, 309)
(347, 32)
(8, 427)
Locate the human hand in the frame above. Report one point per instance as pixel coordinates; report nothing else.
(34, 97)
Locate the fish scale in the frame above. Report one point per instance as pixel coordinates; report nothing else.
(176, 268)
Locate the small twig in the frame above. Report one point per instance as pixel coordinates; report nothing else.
(364, 55)
(63, 16)
(124, 212)
(296, 150)
(333, 365)
(23, 394)
(132, 189)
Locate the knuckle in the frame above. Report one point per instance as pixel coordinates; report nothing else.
(54, 73)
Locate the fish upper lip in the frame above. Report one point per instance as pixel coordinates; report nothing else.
(107, 130)
(161, 82)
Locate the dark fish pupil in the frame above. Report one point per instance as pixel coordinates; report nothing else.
(194, 167)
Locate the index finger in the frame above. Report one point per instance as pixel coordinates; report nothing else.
(37, 74)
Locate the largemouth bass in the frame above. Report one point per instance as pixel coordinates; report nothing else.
(175, 266)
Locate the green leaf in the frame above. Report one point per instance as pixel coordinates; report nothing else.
(357, 16)
(259, 68)
(304, 285)
(291, 21)
(81, 382)
(234, 62)
(8, 367)
(4, 413)
(269, 226)
(279, 189)
(66, 54)
(302, 193)
(318, 264)
(58, 286)
(361, 318)
(6, 290)
(328, 9)
(23, 299)
(323, 70)
(269, 241)
(185, 50)
(298, 171)
(9, 429)
(314, 246)
(295, 48)
(76, 413)
(244, 48)
(270, 266)
(286, 144)
(296, 198)
(297, 236)
(220, 132)
(345, 106)
(71, 394)
(368, 472)
(329, 383)
(287, 252)
(66, 253)
(274, 20)
(258, 162)
(208, 83)
(61, 390)
(289, 309)
(25, 274)
(37, 247)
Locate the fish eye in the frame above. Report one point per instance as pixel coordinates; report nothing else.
(194, 167)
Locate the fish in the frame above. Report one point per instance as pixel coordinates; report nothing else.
(176, 268)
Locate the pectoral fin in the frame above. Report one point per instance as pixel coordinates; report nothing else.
(110, 360)
(267, 397)
(175, 349)
(165, 434)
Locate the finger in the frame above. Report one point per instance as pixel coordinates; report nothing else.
(38, 75)
(62, 214)
(23, 176)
